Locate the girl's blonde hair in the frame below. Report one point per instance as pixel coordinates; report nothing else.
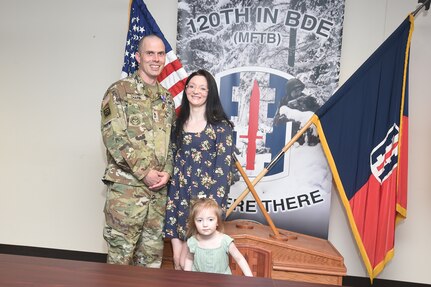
(199, 205)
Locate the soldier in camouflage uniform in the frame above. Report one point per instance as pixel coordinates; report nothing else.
(295, 99)
(137, 115)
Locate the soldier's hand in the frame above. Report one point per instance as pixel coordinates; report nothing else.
(151, 178)
(163, 180)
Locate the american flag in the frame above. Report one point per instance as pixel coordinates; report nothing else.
(173, 76)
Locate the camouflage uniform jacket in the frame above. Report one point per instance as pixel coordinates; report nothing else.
(136, 126)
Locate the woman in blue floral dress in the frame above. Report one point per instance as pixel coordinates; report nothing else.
(202, 140)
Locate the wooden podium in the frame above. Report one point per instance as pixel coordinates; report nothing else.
(290, 256)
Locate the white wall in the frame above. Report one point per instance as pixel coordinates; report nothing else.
(58, 57)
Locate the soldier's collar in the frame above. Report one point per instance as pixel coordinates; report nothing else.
(155, 93)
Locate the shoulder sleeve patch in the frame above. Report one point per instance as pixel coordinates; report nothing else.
(109, 110)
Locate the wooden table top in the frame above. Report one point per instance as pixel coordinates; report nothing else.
(24, 271)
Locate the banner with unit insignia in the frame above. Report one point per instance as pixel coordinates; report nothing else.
(276, 63)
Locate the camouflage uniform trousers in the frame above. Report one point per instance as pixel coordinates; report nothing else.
(134, 222)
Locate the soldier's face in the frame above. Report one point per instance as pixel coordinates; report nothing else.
(296, 93)
(151, 58)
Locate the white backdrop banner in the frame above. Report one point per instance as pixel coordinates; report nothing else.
(276, 63)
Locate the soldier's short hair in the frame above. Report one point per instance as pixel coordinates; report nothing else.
(146, 37)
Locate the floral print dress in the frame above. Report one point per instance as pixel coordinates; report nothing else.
(202, 168)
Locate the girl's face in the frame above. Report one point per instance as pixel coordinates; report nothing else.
(197, 91)
(206, 222)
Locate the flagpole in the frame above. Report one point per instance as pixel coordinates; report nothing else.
(424, 3)
(256, 197)
(270, 165)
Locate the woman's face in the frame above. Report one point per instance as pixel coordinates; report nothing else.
(197, 91)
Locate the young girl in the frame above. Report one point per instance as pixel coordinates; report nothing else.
(208, 248)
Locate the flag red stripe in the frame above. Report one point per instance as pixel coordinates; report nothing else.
(177, 88)
(169, 69)
(373, 208)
